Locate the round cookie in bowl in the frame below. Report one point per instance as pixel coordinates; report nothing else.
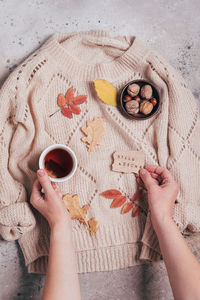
(139, 100)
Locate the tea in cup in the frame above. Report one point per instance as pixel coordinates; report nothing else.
(59, 162)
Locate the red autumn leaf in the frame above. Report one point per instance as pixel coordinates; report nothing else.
(137, 195)
(111, 194)
(135, 211)
(127, 207)
(75, 109)
(118, 201)
(80, 99)
(69, 96)
(67, 112)
(61, 100)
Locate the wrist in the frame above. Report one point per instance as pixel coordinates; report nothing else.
(161, 222)
(61, 225)
(61, 231)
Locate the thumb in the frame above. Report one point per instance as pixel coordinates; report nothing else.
(45, 182)
(147, 179)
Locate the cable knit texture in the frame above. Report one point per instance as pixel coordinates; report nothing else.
(28, 100)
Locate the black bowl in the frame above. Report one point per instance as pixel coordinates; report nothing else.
(138, 116)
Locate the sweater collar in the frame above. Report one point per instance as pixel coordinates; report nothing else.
(129, 60)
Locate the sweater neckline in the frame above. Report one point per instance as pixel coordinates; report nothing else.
(131, 58)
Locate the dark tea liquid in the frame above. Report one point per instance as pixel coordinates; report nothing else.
(58, 163)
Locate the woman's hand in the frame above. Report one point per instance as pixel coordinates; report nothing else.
(49, 204)
(182, 266)
(162, 192)
(62, 279)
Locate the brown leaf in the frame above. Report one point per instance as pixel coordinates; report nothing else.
(127, 207)
(111, 194)
(67, 112)
(137, 195)
(135, 211)
(69, 96)
(94, 131)
(73, 206)
(80, 99)
(118, 201)
(75, 109)
(93, 226)
(61, 100)
(85, 208)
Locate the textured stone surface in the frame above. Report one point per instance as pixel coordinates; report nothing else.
(170, 27)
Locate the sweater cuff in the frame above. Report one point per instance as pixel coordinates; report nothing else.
(150, 245)
(35, 243)
(16, 220)
(149, 254)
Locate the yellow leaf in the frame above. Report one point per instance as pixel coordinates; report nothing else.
(106, 92)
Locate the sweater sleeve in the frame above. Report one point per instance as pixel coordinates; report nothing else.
(16, 217)
(183, 144)
(183, 161)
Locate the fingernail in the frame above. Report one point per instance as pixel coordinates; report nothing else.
(41, 172)
(143, 171)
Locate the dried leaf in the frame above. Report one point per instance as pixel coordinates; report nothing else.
(111, 194)
(118, 201)
(67, 112)
(106, 92)
(61, 100)
(137, 195)
(68, 103)
(85, 208)
(94, 130)
(73, 206)
(127, 207)
(75, 109)
(135, 211)
(69, 96)
(80, 99)
(93, 226)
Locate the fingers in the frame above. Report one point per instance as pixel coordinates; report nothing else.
(154, 175)
(163, 172)
(45, 182)
(54, 185)
(139, 180)
(147, 179)
(36, 189)
(56, 189)
(36, 196)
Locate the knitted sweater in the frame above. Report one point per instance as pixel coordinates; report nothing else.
(28, 98)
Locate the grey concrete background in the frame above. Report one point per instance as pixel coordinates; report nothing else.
(172, 27)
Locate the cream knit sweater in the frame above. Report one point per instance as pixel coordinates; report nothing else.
(170, 139)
